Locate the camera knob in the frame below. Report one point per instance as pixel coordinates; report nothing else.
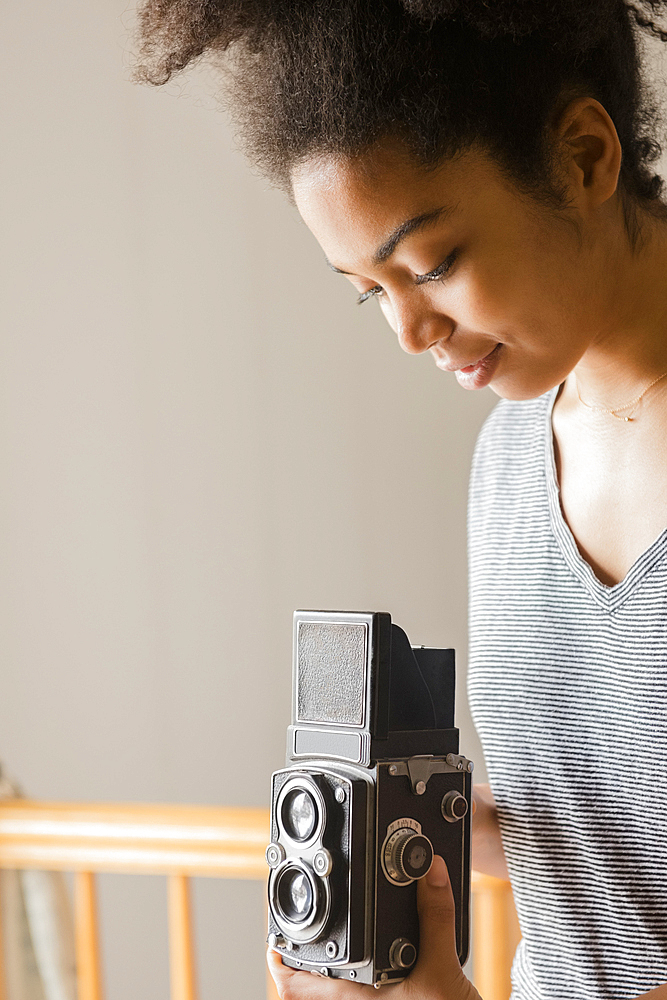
(402, 954)
(406, 856)
(275, 855)
(454, 806)
(322, 862)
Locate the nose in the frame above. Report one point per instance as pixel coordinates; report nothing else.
(418, 327)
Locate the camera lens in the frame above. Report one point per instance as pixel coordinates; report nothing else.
(295, 895)
(299, 815)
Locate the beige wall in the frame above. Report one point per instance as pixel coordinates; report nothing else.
(199, 432)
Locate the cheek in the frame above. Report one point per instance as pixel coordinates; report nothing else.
(484, 300)
(509, 295)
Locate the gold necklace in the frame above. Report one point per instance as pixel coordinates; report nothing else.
(617, 411)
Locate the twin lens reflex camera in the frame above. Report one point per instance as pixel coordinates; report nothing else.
(374, 786)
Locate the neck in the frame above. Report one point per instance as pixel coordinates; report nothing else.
(630, 350)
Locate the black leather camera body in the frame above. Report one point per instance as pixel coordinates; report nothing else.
(374, 787)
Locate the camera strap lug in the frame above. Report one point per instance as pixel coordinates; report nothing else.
(419, 769)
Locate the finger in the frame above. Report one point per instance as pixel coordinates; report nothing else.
(293, 984)
(438, 961)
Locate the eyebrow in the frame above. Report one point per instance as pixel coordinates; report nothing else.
(407, 228)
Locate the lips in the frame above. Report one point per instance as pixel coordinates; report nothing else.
(477, 374)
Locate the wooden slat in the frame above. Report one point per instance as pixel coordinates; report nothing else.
(181, 949)
(496, 935)
(194, 840)
(88, 971)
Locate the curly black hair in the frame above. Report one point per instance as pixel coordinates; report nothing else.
(310, 77)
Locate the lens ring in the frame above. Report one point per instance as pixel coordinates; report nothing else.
(299, 901)
(300, 815)
(301, 810)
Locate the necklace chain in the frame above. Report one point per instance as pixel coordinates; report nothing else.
(617, 411)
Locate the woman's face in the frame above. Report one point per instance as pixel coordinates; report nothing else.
(501, 289)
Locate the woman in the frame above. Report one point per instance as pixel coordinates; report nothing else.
(483, 170)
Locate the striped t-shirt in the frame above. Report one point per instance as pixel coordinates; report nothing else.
(568, 689)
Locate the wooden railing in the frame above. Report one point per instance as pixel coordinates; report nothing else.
(179, 842)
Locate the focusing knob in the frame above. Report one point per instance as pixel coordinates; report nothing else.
(402, 954)
(454, 807)
(406, 856)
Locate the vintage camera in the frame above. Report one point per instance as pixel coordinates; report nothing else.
(374, 787)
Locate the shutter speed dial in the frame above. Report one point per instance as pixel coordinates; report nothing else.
(406, 854)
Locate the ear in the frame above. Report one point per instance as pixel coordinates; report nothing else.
(590, 151)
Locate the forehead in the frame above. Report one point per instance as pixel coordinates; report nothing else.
(352, 204)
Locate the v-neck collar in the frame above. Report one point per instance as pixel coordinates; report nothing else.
(609, 598)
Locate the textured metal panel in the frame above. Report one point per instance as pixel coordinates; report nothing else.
(331, 664)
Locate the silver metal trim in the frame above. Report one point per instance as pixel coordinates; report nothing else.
(364, 757)
(347, 773)
(420, 768)
(341, 618)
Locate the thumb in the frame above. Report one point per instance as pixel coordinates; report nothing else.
(438, 961)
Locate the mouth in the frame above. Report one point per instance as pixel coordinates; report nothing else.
(478, 374)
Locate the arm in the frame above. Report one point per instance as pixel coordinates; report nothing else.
(488, 855)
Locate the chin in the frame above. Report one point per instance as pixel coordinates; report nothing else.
(519, 389)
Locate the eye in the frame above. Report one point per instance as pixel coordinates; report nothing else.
(441, 271)
(372, 293)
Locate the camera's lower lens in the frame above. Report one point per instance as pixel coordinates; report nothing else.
(299, 814)
(295, 895)
(299, 901)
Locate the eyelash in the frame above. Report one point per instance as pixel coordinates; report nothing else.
(441, 271)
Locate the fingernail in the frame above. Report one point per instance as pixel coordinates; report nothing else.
(438, 874)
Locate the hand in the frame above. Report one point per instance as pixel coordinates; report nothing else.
(436, 976)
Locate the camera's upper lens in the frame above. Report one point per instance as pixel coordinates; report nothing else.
(299, 814)
(295, 895)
